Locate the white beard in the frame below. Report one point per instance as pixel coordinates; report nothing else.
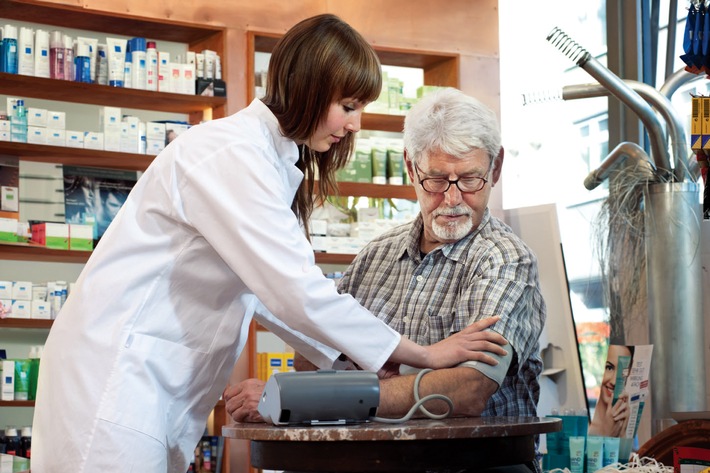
(452, 231)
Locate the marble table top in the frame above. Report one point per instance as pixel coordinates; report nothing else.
(416, 429)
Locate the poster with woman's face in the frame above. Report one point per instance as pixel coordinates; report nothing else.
(624, 387)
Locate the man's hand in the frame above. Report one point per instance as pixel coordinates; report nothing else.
(470, 344)
(242, 400)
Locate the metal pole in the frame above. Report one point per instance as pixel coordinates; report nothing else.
(675, 304)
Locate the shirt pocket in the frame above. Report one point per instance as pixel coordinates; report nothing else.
(150, 376)
(439, 325)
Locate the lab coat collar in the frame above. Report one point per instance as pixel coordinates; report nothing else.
(286, 148)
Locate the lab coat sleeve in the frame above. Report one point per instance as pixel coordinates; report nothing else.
(238, 196)
(320, 355)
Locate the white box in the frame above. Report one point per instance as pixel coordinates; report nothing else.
(41, 309)
(5, 289)
(112, 140)
(155, 131)
(154, 147)
(164, 71)
(56, 137)
(37, 135)
(22, 290)
(8, 380)
(93, 140)
(74, 139)
(56, 120)
(5, 136)
(21, 309)
(5, 125)
(130, 137)
(9, 199)
(37, 117)
(110, 120)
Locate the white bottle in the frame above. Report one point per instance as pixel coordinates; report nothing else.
(151, 59)
(42, 53)
(102, 65)
(25, 52)
(139, 68)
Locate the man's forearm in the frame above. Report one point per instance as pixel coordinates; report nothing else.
(467, 388)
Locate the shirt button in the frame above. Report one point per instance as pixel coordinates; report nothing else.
(420, 278)
(406, 319)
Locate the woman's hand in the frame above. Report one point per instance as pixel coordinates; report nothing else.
(242, 400)
(470, 344)
(618, 416)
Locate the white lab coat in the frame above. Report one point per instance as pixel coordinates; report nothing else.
(145, 344)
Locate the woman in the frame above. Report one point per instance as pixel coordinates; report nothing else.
(611, 416)
(211, 236)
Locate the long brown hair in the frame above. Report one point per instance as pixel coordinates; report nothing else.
(317, 62)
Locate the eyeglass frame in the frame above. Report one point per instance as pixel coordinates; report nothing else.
(455, 182)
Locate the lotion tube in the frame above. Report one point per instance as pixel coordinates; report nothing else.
(576, 454)
(116, 55)
(611, 450)
(594, 453)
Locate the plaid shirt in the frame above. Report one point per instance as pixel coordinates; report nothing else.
(429, 297)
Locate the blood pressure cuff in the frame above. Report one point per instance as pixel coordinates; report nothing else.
(496, 373)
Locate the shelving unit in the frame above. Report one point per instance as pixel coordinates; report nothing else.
(197, 108)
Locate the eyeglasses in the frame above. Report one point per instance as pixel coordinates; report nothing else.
(439, 185)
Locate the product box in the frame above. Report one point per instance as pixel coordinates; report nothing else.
(41, 310)
(130, 137)
(164, 71)
(21, 309)
(37, 135)
(81, 237)
(154, 147)
(56, 137)
(5, 289)
(5, 135)
(155, 131)
(93, 140)
(110, 119)
(5, 125)
(8, 229)
(51, 235)
(74, 139)
(37, 117)
(56, 120)
(9, 199)
(22, 290)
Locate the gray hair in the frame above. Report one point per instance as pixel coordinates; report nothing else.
(451, 122)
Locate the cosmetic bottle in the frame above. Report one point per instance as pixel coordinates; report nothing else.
(57, 52)
(151, 59)
(25, 52)
(82, 63)
(9, 47)
(42, 54)
(68, 58)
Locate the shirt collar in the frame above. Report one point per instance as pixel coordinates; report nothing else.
(286, 148)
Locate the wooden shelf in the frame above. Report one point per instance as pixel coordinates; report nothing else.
(334, 258)
(382, 122)
(17, 404)
(95, 94)
(380, 191)
(25, 323)
(30, 252)
(81, 18)
(76, 156)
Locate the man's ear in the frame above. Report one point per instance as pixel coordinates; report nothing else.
(497, 166)
(410, 167)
